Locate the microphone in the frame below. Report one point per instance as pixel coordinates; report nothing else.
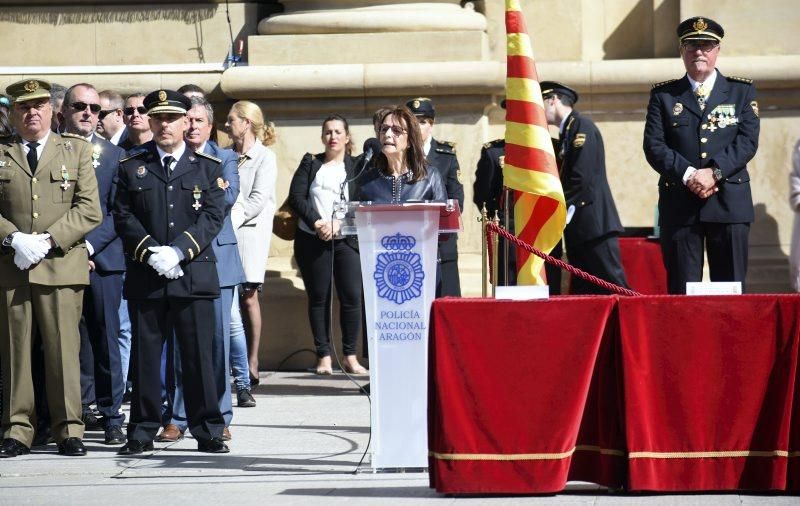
(371, 146)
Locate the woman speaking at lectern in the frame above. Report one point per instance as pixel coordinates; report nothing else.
(400, 171)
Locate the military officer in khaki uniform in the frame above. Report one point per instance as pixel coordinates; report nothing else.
(48, 203)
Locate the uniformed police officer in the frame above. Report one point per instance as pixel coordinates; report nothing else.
(701, 131)
(48, 203)
(169, 207)
(488, 189)
(442, 155)
(592, 232)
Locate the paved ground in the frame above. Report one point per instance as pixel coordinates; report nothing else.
(301, 444)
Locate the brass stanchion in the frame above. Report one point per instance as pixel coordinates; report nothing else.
(484, 219)
(495, 245)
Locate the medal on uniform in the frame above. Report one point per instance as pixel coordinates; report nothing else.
(96, 156)
(196, 193)
(141, 172)
(677, 109)
(65, 176)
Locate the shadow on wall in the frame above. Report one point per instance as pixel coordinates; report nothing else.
(768, 265)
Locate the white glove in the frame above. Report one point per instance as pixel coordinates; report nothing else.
(164, 259)
(30, 247)
(175, 273)
(21, 262)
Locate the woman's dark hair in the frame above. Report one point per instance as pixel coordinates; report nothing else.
(337, 117)
(415, 153)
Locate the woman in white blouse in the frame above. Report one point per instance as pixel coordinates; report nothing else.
(317, 185)
(252, 221)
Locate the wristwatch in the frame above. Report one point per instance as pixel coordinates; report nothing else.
(717, 174)
(7, 240)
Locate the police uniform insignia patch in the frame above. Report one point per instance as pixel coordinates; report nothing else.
(754, 105)
(677, 109)
(580, 140)
(141, 172)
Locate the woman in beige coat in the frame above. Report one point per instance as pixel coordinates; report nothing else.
(252, 221)
(794, 202)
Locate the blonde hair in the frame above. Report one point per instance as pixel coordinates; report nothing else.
(262, 129)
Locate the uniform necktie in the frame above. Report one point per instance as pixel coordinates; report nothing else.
(168, 164)
(33, 158)
(701, 93)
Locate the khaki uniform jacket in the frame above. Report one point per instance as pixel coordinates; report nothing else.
(42, 202)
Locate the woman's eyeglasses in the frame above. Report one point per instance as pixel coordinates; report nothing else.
(396, 130)
(129, 110)
(81, 106)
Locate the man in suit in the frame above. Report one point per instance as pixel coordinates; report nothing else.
(101, 370)
(229, 270)
(137, 124)
(170, 205)
(592, 233)
(700, 132)
(111, 124)
(48, 203)
(442, 155)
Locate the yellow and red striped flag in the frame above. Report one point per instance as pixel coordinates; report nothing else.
(530, 163)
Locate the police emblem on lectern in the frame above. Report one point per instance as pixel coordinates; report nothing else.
(398, 272)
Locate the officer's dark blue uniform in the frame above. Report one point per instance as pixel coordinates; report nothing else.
(183, 208)
(101, 368)
(723, 136)
(442, 156)
(591, 236)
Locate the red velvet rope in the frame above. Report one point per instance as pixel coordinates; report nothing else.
(492, 228)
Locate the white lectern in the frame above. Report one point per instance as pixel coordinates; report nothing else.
(398, 244)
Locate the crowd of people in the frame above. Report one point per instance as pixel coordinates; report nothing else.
(134, 246)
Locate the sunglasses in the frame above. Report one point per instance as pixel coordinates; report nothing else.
(106, 112)
(398, 131)
(81, 106)
(129, 110)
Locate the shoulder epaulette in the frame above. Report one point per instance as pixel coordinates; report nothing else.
(662, 83)
(132, 156)
(206, 155)
(74, 136)
(446, 147)
(740, 79)
(493, 144)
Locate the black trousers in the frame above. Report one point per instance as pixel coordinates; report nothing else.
(192, 321)
(101, 366)
(599, 257)
(682, 249)
(313, 256)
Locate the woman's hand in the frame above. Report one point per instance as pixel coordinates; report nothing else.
(327, 230)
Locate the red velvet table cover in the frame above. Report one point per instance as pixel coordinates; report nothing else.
(643, 265)
(661, 393)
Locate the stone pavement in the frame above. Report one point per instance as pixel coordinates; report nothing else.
(300, 445)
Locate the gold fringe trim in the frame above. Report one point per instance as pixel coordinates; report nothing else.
(615, 453)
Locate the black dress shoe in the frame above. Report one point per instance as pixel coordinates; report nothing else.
(11, 448)
(72, 447)
(90, 421)
(135, 447)
(115, 436)
(213, 445)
